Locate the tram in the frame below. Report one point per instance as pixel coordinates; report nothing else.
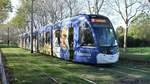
(83, 38)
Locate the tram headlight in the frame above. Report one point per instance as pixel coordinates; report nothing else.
(108, 51)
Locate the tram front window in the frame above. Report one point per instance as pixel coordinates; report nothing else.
(86, 37)
(105, 35)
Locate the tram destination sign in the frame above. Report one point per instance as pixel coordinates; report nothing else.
(95, 20)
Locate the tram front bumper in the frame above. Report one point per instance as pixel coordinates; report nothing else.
(107, 59)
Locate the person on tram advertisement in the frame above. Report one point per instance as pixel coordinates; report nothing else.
(64, 38)
(64, 43)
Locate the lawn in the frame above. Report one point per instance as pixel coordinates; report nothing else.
(27, 68)
(141, 53)
(35, 68)
(6, 46)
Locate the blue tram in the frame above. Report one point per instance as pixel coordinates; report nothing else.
(82, 38)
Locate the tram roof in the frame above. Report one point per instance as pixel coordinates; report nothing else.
(45, 28)
(24, 35)
(70, 21)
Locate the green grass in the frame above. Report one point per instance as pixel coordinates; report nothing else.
(27, 68)
(6, 46)
(139, 53)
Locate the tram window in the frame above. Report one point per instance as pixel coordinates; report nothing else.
(57, 36)
(107, 35)
(48, 37)
(29, 39)
(43, 40)
(85, 35)
(34, 36)
(70, 39)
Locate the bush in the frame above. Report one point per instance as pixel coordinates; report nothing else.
(132, 42)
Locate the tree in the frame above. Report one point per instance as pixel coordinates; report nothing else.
(140, 27)
(21, 20)
(5, 6)
(95, 7)
(8, 34)
(120, 31)
(49, 11)
(71, 4)
(127, 9)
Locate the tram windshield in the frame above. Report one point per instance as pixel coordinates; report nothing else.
(105, 35)
(85, 35)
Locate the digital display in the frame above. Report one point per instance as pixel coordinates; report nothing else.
(98, 21)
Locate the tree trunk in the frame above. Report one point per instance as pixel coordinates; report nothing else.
(70, 12)
(126, 28)
(8, 37)
(125, 38)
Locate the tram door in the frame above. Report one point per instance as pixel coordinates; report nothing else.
(64, 51)
(67, 43)
(56, 42)
(71, 40)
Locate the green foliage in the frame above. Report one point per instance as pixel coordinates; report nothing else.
(140, 28)
(3, 16)
(3, 4)
(134, 32)
(4, 7)
(20, 20)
